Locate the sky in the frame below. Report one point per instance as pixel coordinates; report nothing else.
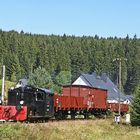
(106, 18)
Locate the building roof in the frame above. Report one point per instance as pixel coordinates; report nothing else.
(22, 83)
(130, 98)
(103, 82)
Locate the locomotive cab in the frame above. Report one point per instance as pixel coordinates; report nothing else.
(39, 101)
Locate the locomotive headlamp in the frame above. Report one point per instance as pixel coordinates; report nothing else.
(21, 102)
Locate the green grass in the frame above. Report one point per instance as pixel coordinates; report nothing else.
(69, 130)
(8, 84)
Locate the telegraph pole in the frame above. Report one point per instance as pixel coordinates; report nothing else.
(120, 77)
(3, 78)
(120, 83)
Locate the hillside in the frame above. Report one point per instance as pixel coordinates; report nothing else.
(69, 130)
(8, 84)
(22, 53)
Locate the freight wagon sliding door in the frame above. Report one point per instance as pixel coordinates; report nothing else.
(100, 98)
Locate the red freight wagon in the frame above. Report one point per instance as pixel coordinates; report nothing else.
(94, 98)
(115, 107)
(68, 103)
(100, 98)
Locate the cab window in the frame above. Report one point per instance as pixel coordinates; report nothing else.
(39, 96)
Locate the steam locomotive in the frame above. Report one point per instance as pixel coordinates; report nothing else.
(31, 103)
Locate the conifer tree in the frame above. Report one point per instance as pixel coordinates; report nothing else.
(40, 78)
(63, 78)
(135, 114)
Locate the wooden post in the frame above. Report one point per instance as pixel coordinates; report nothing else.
(3, 78)
(120, 84)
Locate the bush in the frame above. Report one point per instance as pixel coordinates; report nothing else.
(135, 113)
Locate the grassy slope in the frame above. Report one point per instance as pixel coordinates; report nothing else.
(70, 130)
(8, 84)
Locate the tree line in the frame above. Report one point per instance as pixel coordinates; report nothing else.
(23, 54)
